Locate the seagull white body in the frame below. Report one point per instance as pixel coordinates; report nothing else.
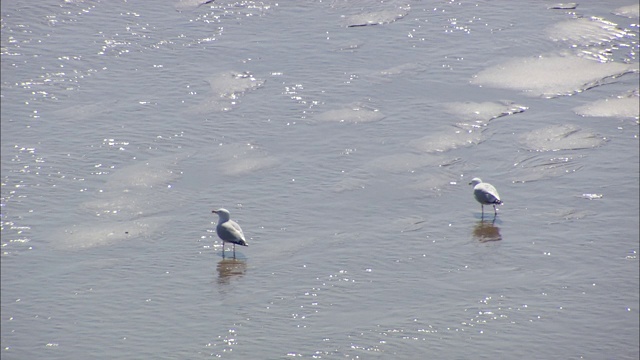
(485, 194)
(229, 231)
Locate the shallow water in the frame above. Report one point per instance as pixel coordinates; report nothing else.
(345, 155)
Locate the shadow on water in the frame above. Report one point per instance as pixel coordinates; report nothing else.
(230, 268)
(486, 230)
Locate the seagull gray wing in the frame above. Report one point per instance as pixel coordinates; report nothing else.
(486, 194)
(230, 231)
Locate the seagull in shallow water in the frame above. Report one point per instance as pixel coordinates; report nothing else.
(229, 231)
(486, 194)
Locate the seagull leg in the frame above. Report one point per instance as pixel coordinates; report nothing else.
(234, 251)
(495, 211)
(223, 249)
(482, 207)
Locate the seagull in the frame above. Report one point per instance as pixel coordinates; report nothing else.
(486, 194)
(229, 231)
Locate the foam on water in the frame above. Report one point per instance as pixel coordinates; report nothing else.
(551, 75)
(483, 112)
(353, 113)
(586, 31)
(376, 17)
(408, 69)
(590, 64)
(623, 106)
(127, 208)
(363, 13)
(226, 90)
(437, 143)
(146, 174)
(561, 137)
(436, 181)
(103, 232)
(239, 159)
(356, 180)
(541, 167)
(630, 11)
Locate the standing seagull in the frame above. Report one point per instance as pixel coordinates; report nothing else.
(229, 231)
(486, 194)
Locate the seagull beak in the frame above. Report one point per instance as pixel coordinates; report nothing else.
(213, 211)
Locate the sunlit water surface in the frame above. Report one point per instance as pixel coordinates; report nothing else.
(341, 135)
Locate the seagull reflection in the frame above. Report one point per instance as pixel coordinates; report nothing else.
(229, 268)
(485, 231)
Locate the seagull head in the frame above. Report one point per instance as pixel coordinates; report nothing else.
(223, 214)
(475, 181)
